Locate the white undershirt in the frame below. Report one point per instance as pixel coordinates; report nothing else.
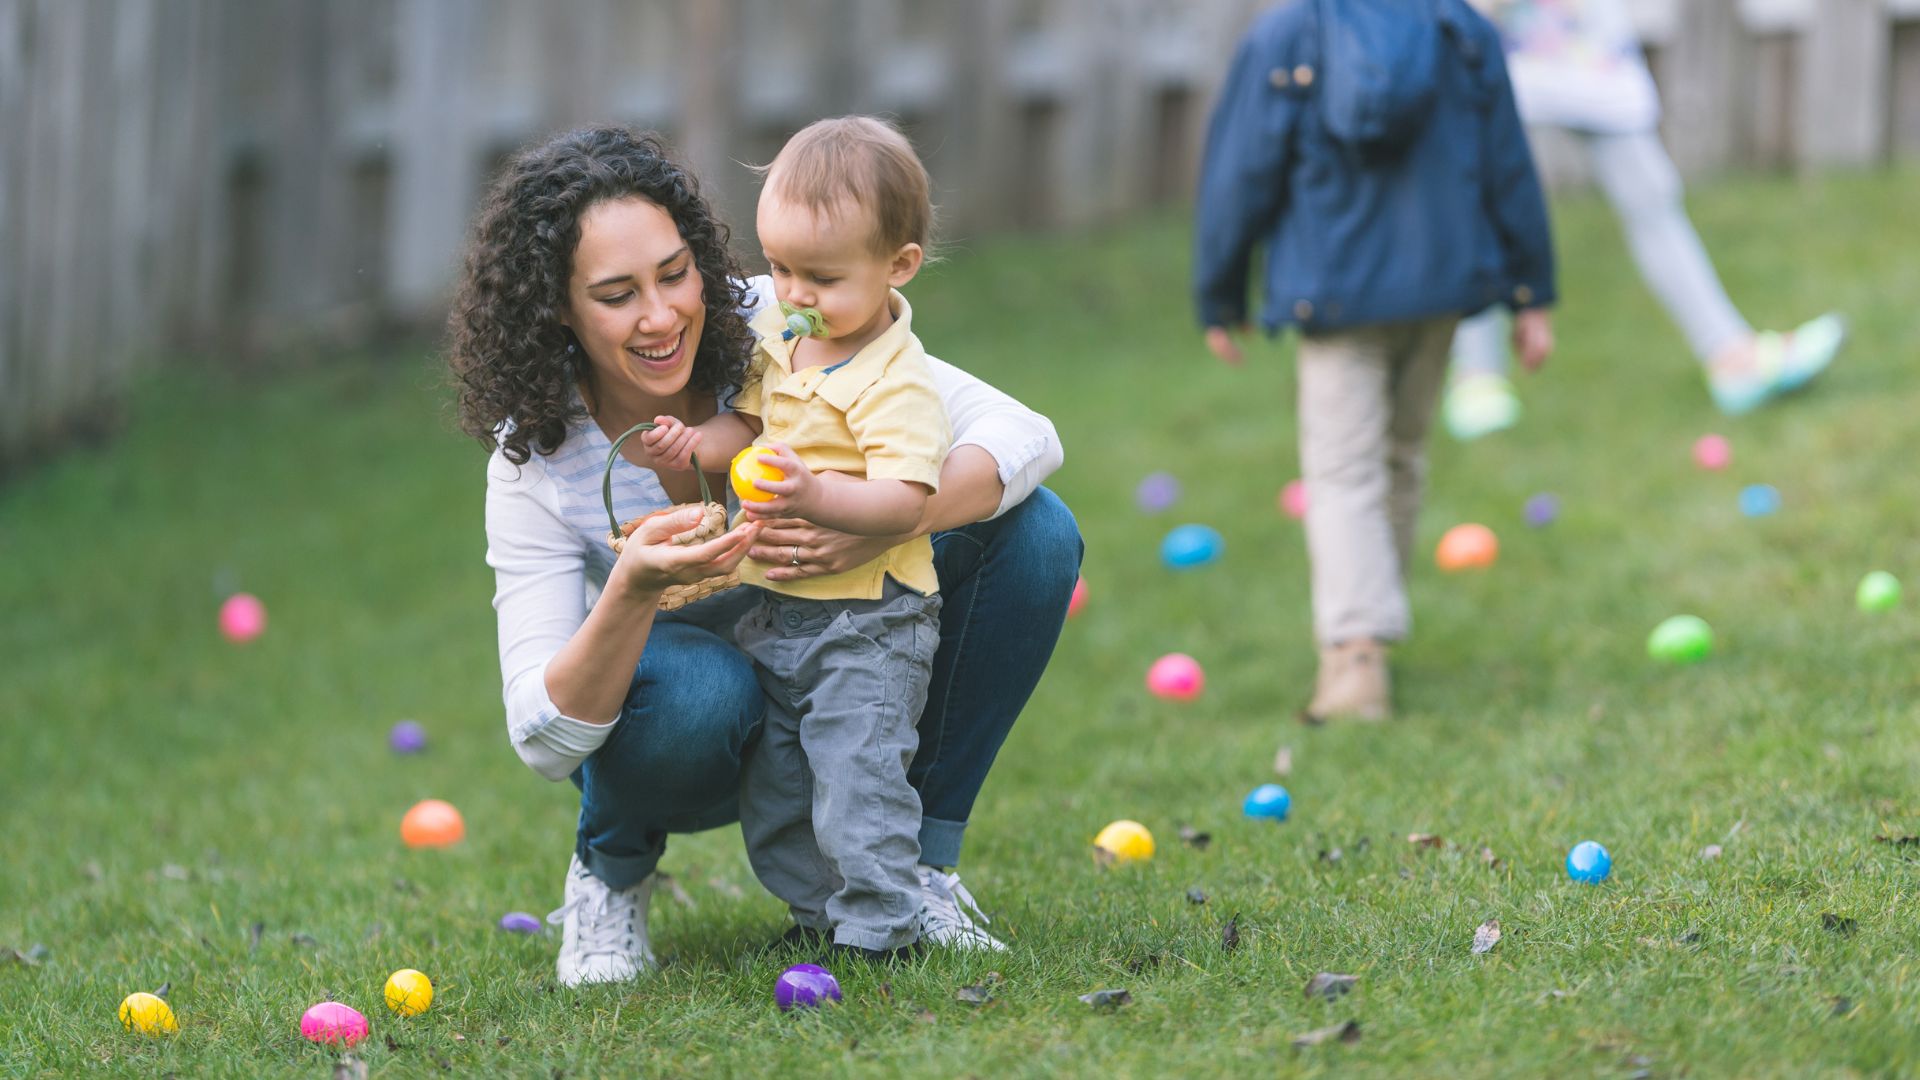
(547, 541)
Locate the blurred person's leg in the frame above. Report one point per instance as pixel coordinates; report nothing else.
(1419, 370)
(1744, 369)
(1480, 398)
(1359, 600)
(1644, 187)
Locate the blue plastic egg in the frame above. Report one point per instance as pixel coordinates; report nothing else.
(1268, 801)
(1188, 546)
(1588, 863)
(1759, 500)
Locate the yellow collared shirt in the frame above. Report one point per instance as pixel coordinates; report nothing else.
(875, 416)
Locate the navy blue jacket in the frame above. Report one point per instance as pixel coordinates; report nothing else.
(1373, 148)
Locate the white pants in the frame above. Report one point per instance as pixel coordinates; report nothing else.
(1640, 181)
(1366, 399)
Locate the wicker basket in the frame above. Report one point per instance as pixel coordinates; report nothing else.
(711, 525)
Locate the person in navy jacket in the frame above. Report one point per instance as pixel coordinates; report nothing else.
(1372, 149)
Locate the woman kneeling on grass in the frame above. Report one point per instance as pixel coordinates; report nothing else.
(598, 294)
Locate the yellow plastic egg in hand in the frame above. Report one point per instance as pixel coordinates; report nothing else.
(409, 992)
(746, 468)
(1123, 842)
(148, 1014)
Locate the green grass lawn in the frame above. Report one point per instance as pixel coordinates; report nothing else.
(224, 820)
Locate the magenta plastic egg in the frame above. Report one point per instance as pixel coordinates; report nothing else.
(242, 618)
(332, 1022)
(1177, 677)
(1079, 598)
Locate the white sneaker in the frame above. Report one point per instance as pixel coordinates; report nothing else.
(943, 919)
(605, 935)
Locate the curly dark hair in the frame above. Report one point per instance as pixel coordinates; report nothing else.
(508, 349)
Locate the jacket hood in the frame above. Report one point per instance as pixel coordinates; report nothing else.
(1380, 69)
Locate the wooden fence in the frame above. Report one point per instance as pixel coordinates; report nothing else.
(228, 176)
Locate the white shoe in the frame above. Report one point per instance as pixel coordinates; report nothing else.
(943, 919)
(605, 935)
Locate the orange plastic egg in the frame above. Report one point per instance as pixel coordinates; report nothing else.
(1467, 547)
(746, 468)
(432, 823)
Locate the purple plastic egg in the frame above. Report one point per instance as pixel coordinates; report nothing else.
(805, 986)
(1157, 492)
(1542, 509)
(407, 737)
(519, 922)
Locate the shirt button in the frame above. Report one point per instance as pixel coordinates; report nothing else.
(1302, 310)
(792, 619)
(1279, 78)
(1523, 296)
(1303, 75)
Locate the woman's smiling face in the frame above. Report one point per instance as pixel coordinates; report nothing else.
(635, 300)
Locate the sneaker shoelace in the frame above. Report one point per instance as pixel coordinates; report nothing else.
(945, 898)
(605, 927)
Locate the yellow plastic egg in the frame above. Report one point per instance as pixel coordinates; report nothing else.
(746, 468)
(1123, 842)
(409, 992)
(148, 1015)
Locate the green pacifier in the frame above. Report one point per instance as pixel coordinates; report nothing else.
(802, 322)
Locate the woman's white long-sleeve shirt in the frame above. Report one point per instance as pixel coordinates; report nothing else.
(547, 542)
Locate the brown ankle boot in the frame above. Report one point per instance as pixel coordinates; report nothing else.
(1352, 684)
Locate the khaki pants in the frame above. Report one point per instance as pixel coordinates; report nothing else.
(1366, 399)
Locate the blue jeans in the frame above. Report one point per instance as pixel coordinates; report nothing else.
(672, 763)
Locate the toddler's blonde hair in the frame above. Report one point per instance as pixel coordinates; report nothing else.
(865, 161)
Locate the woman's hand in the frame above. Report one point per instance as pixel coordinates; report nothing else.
(795, 496)
(819, 550)
(669, 446)
(1221, 343)
(651, 562)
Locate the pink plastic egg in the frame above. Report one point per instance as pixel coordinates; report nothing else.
(332, 1022)
(1176, 677)
(1293, 499)
(1079, 598)
(1712, 452)
(242, 618)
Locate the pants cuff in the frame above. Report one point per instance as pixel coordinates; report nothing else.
(940, 841)
(619, 871)
(881, 940)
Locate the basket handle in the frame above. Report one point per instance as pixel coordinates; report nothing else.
(606, 479)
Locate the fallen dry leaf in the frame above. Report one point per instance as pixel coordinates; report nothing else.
(1107, 999)
(253, 937)
(1488, 859)
(1283, 761)
(1196, 895)
(1711, 851)
(1898, 841)
(1840, 1006)
(350, 1067)
(1486, 936)
(1230, 936)
(1331, 855)
(1425, 839)
(674, 889)
(305, 940)
(31, 957)
(1329, 985)
(1194, 838)
(1348, 1032)
(973, 995)
(1839, 924)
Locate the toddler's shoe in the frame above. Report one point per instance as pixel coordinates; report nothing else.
(604, 935)
(947, 919)
(1780, 364)
(1479, 404)
(1352, 684)
(911, 951)
(1808, 349)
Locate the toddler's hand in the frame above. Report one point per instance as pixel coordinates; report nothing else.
(793, 497)
(669, 446)
(1220, 342)
(1532, 337)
